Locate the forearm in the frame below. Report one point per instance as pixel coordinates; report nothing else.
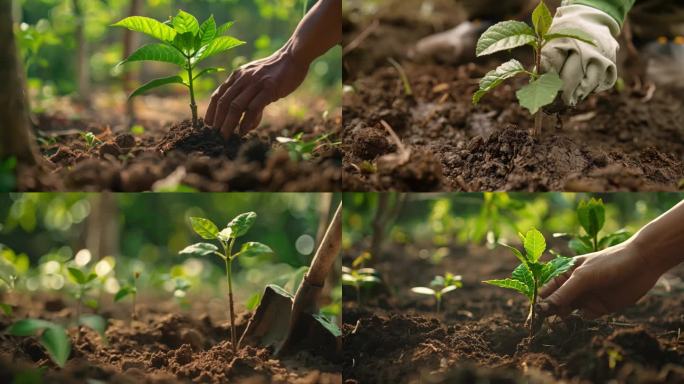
(661, 242)
(320, 30)
(617, 9)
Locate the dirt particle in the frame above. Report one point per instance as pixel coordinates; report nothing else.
(110, 149)
(125, 141)
(183, 355)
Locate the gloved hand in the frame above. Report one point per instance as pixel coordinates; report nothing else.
(582, 67)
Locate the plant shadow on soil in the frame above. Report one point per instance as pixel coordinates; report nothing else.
(480, 336)
(162, 346)
(164, 157)
(612, 141)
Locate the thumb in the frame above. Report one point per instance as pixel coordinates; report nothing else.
(561, 301)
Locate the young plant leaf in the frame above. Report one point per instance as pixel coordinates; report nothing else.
(535, 244)
(540, 92)
(524, 275)
(148, 26)
(124, 292)
(516, 252)
(510, 284)
(199, 249)
(28, 327)
(57, 343)
(207, 31)
(157, 83)
(241, 224)
(591, 215)
(581, 245)
(570, 33)
(77, 275)
(541, 19)
(185, 23)
(556, 267)
(253, 249)
(423, 291)
(208, 71)
(614, 238)
(253, 302)
(224, 28)
(494, 78)
(448, 289)
(204, 227)
(220, 45)
(95, 322)
(156, 52)
(503, 36)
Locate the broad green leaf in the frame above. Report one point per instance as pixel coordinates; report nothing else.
(185, 23)
(6, 309)
(423, 290)
(516, 252)
(540, 92)
(207, 31)
(504, 35)
(220, 45)
(327, 324)
(448, 289)
(226, 234)
(241, 224)
(156, 52)
(208, 71)
(186, 43)
(535, 244)
(224, 28)
(591, 215)
(581, 245)
(570, 33)
(199, 249)
(57, 343)
(92, 276)
(253, 249)
(95, 322)
(509, 283)
(28, 327)
(149, 27)
(124, 291)
(614, 238)
(541, 19)
(523, 274)
(157, 83)
(77, 275)
(556, 267)
(204, 227)
(494, 78)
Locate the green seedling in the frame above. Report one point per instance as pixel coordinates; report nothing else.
(183, 42)
(300, 149)
(84, 283)
(543, 87)
(90, 139)
(359, 277)
(439, 286)
(53, 337)
(237, 227)
(129, 290)
(591, 215)
(532, 273)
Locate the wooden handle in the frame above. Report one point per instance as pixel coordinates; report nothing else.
(327, 251)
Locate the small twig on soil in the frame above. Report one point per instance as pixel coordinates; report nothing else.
(408, 91)
(361, 37)
(650, 90)
(400, 146)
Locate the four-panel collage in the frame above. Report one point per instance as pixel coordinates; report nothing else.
(341, 191)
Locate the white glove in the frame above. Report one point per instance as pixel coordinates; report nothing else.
(582, 67)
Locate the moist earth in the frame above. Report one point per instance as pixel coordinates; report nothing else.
(159, 347)
(162, 158)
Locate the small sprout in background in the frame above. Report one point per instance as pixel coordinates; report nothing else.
(183, 42)
(532, 273)
(408, 91)
(137, 130)
(84, 283)
(359, 277)
(129, 290)
(614, 357)
(506, 35)
(90, 139)
(440, 286)
(300, 149)
(591, 215)
(53, 337)
(237, 227)
(8, 278)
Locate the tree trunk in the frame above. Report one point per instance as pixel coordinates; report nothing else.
(82, 67)
(130, 40)
(102, 237)
(15, 134)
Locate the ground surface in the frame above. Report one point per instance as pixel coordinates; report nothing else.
(171, 154)
(398, 338)
(164, 346)
(629, 140)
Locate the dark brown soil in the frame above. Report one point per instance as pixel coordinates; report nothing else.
(164, 157)
(480, 336)
(171, 347)
(612, 141)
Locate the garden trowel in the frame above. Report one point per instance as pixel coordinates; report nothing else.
(289, 323)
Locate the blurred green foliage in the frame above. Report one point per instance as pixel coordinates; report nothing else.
(46, 37)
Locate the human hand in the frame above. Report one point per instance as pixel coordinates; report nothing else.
(584, 68)
(601, 282)
(240, 101)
